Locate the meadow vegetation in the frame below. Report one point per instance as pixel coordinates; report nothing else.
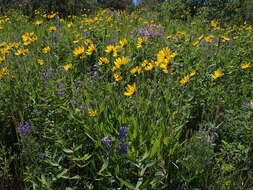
(126, 99)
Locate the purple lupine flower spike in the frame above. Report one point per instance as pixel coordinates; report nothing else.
(122, 133)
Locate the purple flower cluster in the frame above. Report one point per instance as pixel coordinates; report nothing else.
(123, 147)
(122, 139)
(151, 30)
(24, 128)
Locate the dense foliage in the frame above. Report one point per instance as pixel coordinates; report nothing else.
(125, 100)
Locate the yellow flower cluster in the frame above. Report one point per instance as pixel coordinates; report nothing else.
(28, 38)
(187, 77)
(164, 57)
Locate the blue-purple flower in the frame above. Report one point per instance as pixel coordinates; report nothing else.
(122, 133)
(24, 128)
(107, 141)
(123, 148)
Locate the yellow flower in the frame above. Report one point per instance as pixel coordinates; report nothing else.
(40, 61)
(69, 25)
(2, 59)
(88, 42)
(120, 61)
(209, 38)
(78, 51)
(165, 55)
(110, 49)
(224, 38)
(67, 67)
(38, 22)
(140, 42)
(214, 23)
(245, 66)
(3, 72)
(46, 49)
(123, 43)
(195, 43)
(75, 41)
(91, 49)
(103, 60)
(217, 74)
(21, 52)
(193, 73)
(92, 113)
(52, 28)
(28, 38)
(130, 89)
(148, 67)
(135, 70)
(117, 76)
(185, 79)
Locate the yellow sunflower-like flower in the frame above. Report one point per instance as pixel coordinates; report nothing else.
(90, 49)
(52, 28)
(117, 76)
(46, 49)
(2, 59)
(130, 89)
(217, 74)
(103, 60)
(123, 43)
(40, 61)
(245, 66)
(140, 42)
(135, 70)
(92, 113)
(21, 52)
(165, 55)
(78, 51)
(110, 49)
(67, 67)
(120, 61)
(38, 22)
(185, 79)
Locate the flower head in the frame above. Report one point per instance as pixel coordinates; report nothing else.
(103, 60)
(24, 128)
(217, 74)
(107, 141)
(46, 49)
(245, 66)
(67, 67)
(140, 42)
(78, 51)
(130, 89)
(52, 28)
(122, 133)
(90, 49)
(40, 61)
(92, 113)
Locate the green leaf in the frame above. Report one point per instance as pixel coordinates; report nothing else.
(155, 148)
(104, 166)
(62, 173)
(125, 183)
(68, 151)
(84, 158)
